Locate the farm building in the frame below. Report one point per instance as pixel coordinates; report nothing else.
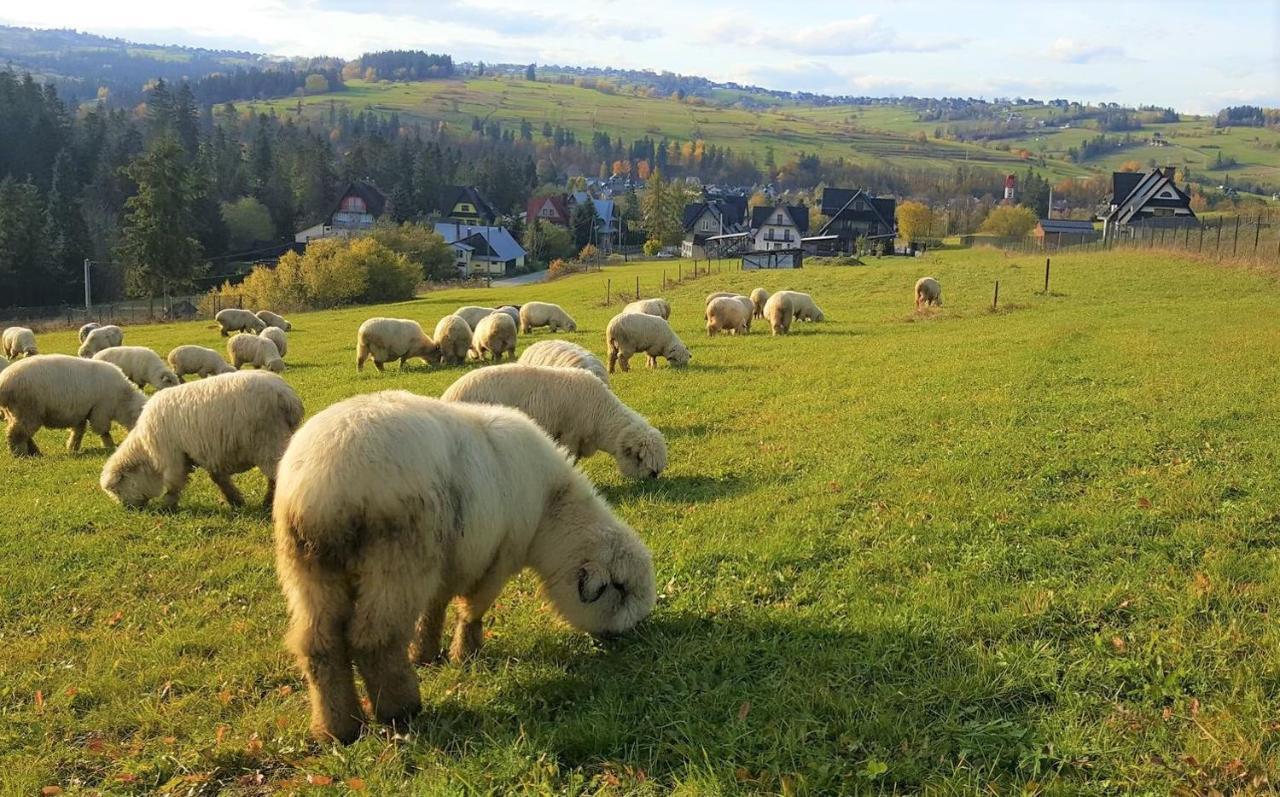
(773, 258)
(466, 204)
(708, 219)
(356, 211)
(481, 250)
(1055, 233)
(853, 214)
(779, 227)
(1146, 199)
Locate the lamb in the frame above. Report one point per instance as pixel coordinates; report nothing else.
(246, 349)
(928, 292)
(453, 339)
(563, 354)
(544, 314)
(19, 342)
(803, 307)
(199, 361)
(235, 320)
(142, 366)
(629, 333)
(658, 307)
(779, 310)
(729, 313)
(511, 310)
(386, 339)
(272, 320)
(86, 329)
(380, 530)
(226, 426)
(758, 297)
(101, 338)
(494, 336)
(575, 408)
(276, 335)
(472, 314)
(64, 392)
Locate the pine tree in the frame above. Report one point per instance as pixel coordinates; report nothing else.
(24, 274)
(186, 120)
(157, 247)
(65, 230)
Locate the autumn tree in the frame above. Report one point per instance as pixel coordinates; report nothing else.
(661, 208)
(915, 221)
(1010, 221)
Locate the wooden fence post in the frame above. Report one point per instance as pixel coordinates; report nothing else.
(1257, 233)
(637, 287)
(995, 298)
(1046, 275)
(1235, 242)
(608, 289)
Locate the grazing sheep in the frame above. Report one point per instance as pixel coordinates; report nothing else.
(64, 392)
(511, 310)
(142, 366)
(803, 307)
(472, 314)
(453, 339)
(234, 320)
(19, 342)
(86, 329)
(101, 338)
(575, 408)
(276, 335)
(387, 339)
(779, 310)
(658, 307)
(272, 320)
(563, 354)
(226, 426)
(629, 333)
(246, 349)
(379, 530)
(730, 314)
(928, 291)
(711, 297)
(199, 361)
(495, 335)
(545, 314)
(758, 297)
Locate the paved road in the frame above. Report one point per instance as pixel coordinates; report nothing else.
(523, 279)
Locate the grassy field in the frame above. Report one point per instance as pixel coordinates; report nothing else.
(1023, 552)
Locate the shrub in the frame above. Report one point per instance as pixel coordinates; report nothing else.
(588, 253)
(1010, 221)
(652, 247)
(560, 268)
(423, 246)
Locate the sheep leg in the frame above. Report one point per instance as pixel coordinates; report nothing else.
(468, 636)
(426, 644)
(319, 611)
(392, 594)
(229, 491)
(378, 365)
(21, 442)
(175, 480)
(613, 357)
(651, 361)
(77, 434)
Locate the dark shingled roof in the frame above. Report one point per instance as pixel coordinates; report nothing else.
(1066, 226)
(374, 200)
(799, 215)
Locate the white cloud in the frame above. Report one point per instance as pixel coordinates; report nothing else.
(1070, 51)
(862, 35)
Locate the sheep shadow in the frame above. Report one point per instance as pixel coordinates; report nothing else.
(682, 489)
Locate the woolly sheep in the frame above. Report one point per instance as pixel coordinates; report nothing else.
(387, 339)
(225, 425)
(494, 336)
(575, 408)
(101, 338)
(378, 531)
(545, 314)
(197, 360)
(730, 314)
(276, 335)
(779, 311)
(803, 307)
(86, 329)
(235, 320)
(453, 339)
(272, 320)
(511, 310)
(928, 291)
(19, 342)
(758, 297)
(472, 314)
(563, 354)
(658, 307)
(246, 349)
(64, 392)
(142, 366)
(629, 333)
(711, 297)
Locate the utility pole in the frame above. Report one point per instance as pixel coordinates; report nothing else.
(88, 293)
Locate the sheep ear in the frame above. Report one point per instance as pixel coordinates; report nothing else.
(592, 580)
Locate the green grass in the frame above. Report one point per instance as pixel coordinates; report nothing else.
(953, 553)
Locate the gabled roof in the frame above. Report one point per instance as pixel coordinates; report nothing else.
(481, 238)
(1152, 190)
(1123, 183)
(880, 209)
(453, 194)
(798, 215)
(374, 200)
(558, 202)
(1066, 226)
(729, 215)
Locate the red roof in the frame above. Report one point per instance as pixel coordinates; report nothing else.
(558, 203)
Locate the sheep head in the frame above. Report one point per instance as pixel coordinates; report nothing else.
(133, 481)
(608, 587)
(678, 355)
(642, 453)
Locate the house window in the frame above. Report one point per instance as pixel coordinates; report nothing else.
(353, 204)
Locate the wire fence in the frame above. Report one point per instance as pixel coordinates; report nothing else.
(1224, 238)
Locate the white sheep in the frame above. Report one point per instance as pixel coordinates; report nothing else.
(101, 338)
(198, 360)
(86, 329)
(376, 532)
(272, 320)
(142, 366)
(225, 425)
(545, 314)
(453, 339)
(758, 297)
(495, 335)
(779, 312)
(629, 333)
(563, 354)
(511, 310)
(19, 342)
(711, 297)
(236, 320)
(928, 292)
(387, 339)
(729, 314)
(575, 408)
(276, 335)
(472, 314)
(803, 307)
(247, 349)
(658, 307)
(63, 392)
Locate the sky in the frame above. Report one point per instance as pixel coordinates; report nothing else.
(1193, 55)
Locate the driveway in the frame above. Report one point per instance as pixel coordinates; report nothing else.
(524, 279)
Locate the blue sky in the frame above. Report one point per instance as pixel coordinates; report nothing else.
(1195, 56)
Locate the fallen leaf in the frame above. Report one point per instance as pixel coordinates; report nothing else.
(742, 774)
(1202, 583)
(49, 791)
(744, 710)
(1118, 644)
(1195, 706)
(319, 780)
(1167, 714)
(115, 618)
(94, 745)
(72, 691)
(355, 784)
(1144, 503)
(170, 740)
(285, 690)
(220, 734)
(39, 701)
(253, 747)
(127, 777)
(224, 697)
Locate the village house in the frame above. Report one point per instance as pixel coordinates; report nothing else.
(1056, 233)
(709, 219)
(608, 230)
(1146, 199)
(481, 250)
(853, 214)
(467, 205)
(358, 208)
(548, 210)
(779, 227)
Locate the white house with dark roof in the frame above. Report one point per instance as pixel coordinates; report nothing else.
(481, 250)
(779, 227)
(1146, 199)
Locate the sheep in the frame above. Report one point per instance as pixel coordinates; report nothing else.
(803, 307)
(928, 292)
(658, 307)
(225, 425)
(101, 338)
(779, 310)
(758, 297)
(575, 408)
(563, 354)
(86, 329)
(544, 314)
(629, 333)
(711, 297)
(276, 335)
(494, 336)
(142, 366)
(199, 361)
(386, 339)
(430, 500)
(19, 342)
(472, 314)
(235, 320)
(730, 314)
(246, 349)
(511, 310)
(453, 339)
(272, 320)
(64, 392)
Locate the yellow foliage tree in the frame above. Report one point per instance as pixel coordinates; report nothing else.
(1010, 221)
(915, 221)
